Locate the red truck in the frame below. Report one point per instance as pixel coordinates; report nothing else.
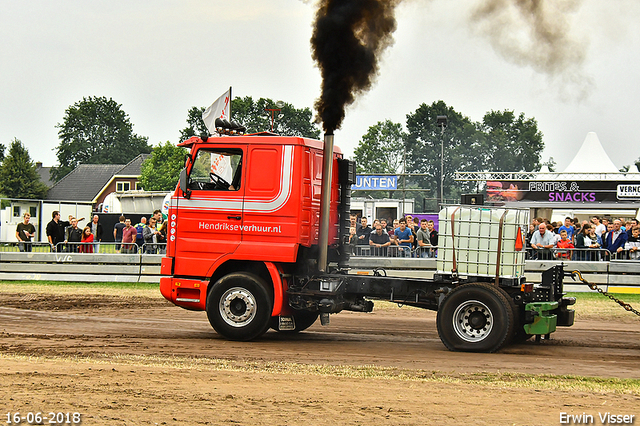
(245, 244)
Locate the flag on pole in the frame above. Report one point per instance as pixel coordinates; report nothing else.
(221, 108)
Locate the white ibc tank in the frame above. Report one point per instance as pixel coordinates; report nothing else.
(469, 239)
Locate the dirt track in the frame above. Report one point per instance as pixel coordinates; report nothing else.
(138, 360)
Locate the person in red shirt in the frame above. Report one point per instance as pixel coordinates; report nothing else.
(129, 234)
(564, 243)
(87, 237)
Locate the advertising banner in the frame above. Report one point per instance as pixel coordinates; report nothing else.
(564, 191)
(385, 183)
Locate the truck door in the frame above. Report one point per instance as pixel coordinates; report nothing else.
(210, 220)
(270, 228)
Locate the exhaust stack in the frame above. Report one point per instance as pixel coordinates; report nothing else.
(325, 202)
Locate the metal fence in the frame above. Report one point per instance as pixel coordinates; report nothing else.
(394, 251)
(581, 254)
(575, 254)
(84, 248)
(564, 254)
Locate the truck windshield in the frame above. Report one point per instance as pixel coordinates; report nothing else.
(216, 169)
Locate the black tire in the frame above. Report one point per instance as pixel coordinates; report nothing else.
(302, 319)
(475, 317)
(239, 306)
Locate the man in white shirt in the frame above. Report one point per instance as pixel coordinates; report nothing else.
(600, 228)
(543, 241)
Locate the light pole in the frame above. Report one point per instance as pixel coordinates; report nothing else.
(279, 106)
(404, 176)
(441, 121)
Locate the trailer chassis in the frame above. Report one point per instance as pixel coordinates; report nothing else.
(473, 313)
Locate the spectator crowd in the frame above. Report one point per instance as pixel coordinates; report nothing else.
(401, 238)
(151, 234)
(67, 236)
(591, 240)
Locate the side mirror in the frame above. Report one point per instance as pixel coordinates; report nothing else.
(184, 187)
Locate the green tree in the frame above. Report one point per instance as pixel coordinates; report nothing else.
(381, 149)
(289, 121)
(160, 171)
(551, 164)
(625, 169)
(511, 144)
(195, 125)
(95, 130)
(462, 142)
(18, 175)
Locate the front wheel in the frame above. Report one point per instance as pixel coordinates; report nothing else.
(475, 317)
(239, 306)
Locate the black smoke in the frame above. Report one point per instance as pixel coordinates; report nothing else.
(537, 34)
(347, 39)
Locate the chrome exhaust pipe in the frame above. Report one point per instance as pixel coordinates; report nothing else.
(325, 202)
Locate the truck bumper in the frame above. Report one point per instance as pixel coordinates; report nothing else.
(566, 316)
(186, 293)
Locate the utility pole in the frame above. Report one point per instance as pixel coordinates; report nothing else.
(404, 176)
(441, 121)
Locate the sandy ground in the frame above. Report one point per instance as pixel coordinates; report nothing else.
(139, 360)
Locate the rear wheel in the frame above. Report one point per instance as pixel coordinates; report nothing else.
(475, 317)
(302, 320)
(239, 306)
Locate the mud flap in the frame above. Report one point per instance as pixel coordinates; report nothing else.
(286, 323)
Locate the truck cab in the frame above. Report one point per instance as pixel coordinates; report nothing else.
(248, 205)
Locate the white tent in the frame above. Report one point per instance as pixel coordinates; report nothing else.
(591, 158)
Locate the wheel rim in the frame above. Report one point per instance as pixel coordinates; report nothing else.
(472, 321)
(238, 307)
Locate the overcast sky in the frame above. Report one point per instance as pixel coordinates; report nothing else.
(160, 58)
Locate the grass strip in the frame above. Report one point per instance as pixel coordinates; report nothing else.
(540, 382)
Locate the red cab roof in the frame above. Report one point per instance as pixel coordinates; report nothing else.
(259, 138)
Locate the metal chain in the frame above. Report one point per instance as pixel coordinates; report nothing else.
(625, 305)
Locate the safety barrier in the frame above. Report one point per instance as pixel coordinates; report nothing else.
(80, 267)
(614, 275)
(581, 254)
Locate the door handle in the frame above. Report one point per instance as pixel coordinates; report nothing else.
(234, 217)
